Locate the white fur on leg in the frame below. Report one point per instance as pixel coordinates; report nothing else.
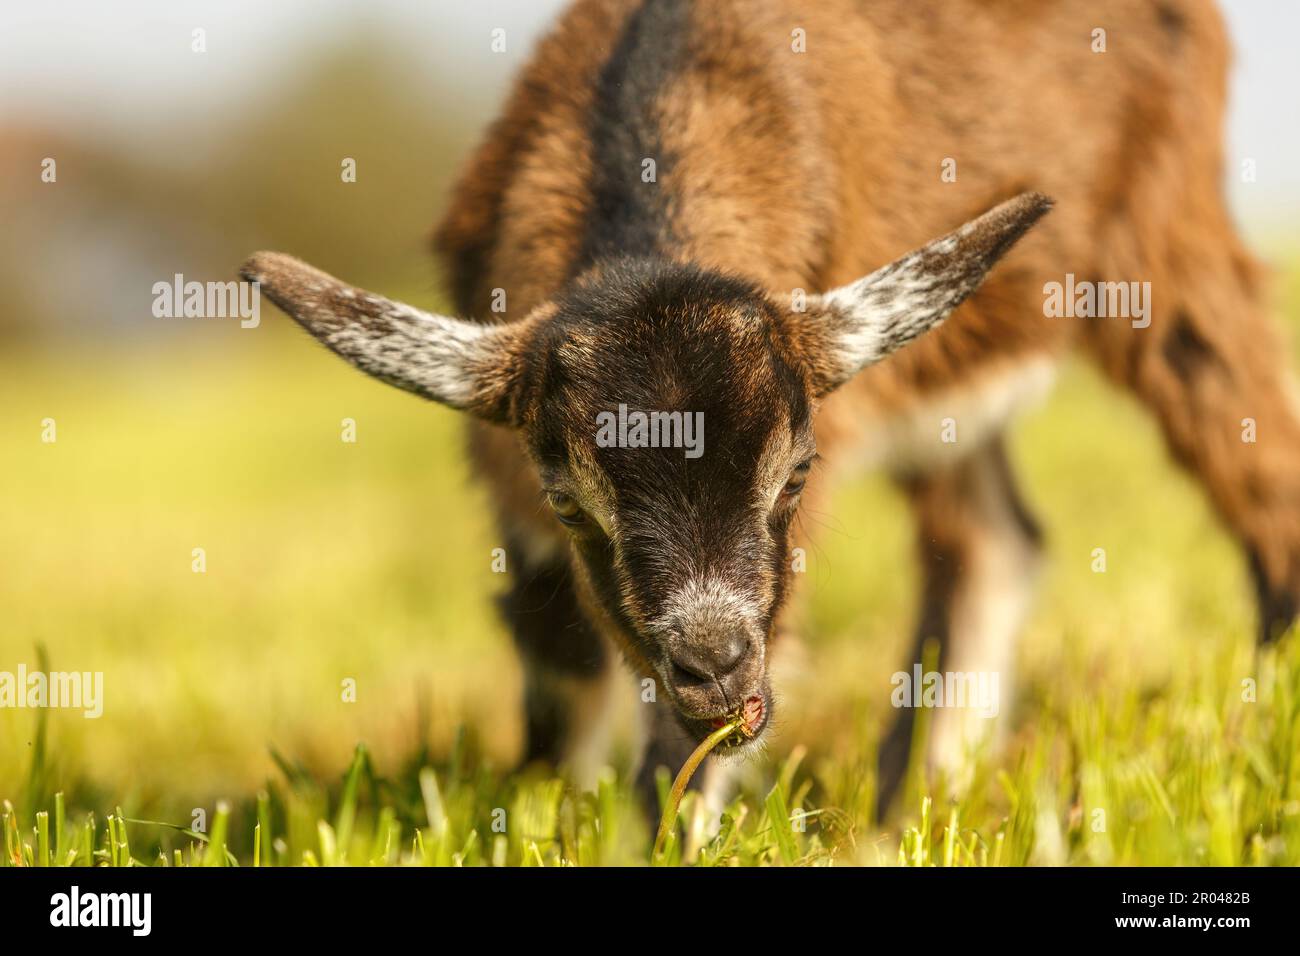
(592, 715)
(987, 614)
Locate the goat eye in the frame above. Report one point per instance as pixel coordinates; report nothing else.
(797, 479)
(565, 507)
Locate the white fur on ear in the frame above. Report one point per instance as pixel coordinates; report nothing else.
(465, 365)
(878, 314)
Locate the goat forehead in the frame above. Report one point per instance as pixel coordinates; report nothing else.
(675, 448)
(645, 310)
(696, 360)
(725, 405)
(698, 354)
(727, 367)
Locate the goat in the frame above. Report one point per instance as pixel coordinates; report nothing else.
(681, 202)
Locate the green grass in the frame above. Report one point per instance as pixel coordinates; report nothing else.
(371, 562)
(1194, 776)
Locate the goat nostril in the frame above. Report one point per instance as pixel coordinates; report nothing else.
(686, 677)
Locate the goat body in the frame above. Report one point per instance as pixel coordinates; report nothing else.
(678, 207)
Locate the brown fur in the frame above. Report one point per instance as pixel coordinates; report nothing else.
(781, 173)
(808, 170)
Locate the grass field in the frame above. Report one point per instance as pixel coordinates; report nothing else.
(370, 562)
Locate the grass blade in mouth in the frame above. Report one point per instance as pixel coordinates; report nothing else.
(734, 724)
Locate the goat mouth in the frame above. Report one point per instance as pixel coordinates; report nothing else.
(753, 715)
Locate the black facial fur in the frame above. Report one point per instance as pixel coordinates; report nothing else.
(654, 335)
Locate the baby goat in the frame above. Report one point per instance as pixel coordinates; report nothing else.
(670, 187)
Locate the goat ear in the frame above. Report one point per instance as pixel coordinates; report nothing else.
(849, 328)
(466, 365)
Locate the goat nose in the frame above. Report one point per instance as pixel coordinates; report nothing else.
(708, 661)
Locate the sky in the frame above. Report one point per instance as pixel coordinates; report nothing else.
(84, 64)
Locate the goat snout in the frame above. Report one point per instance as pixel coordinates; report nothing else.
(712, 674)
(708, 661)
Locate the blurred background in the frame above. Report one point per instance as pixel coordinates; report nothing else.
(329, 561)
